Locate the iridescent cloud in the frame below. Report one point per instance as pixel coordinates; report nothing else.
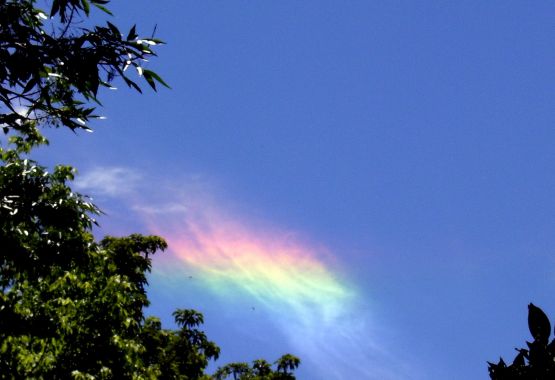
(301, 286)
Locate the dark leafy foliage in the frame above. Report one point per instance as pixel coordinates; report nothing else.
(182, 354)
(260, 370)
(70, 306)
(51, 66)
(537, 362)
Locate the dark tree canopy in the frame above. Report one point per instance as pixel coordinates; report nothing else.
(260, 370)
(72, 306)
(537, 361)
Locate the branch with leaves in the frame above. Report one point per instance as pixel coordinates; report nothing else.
(535, 362)
(52, 67)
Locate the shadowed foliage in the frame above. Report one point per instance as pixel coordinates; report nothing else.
(72, 307)
(537, 361)
(260, 370)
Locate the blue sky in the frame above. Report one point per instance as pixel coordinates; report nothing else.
(413, 140)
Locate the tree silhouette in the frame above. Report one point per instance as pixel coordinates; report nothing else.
(260, 370)
(537, 362)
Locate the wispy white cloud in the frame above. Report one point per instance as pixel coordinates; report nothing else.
(161, 209)
(110, 181)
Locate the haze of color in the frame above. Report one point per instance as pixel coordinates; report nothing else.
(367, 185)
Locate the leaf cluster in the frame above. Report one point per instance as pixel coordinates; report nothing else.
(181, 354)
(537, 361)
(51, 67)
(260, 370)
(72, 307)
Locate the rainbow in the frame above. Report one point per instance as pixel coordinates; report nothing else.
(300, 284)
(224, 261)
(273, 267)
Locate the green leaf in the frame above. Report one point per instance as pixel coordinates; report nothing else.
(29, 85)
(86, 6)
(132, 33)
(538, 323)
(113, 28)
(152, 74)
(55, 7)
(149, 80)
(103, 8)
(132, 84)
